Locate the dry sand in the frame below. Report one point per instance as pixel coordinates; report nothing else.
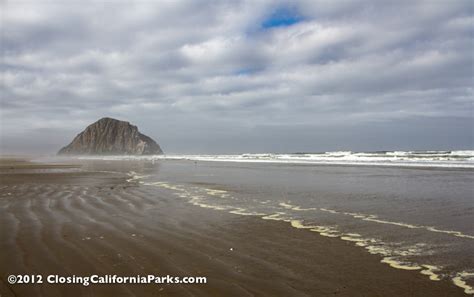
(96, 223)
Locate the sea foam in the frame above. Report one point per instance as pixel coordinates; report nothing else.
(447, 159)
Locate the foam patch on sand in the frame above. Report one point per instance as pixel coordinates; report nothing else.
(276, 217)
(460, 281)
(217, 193)
(295, 207)
(400, 265)
(374, 247)
(429, 271)
(135, 176)
(322, 230)
(245, 212)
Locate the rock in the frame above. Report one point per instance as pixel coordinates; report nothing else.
(109, 136)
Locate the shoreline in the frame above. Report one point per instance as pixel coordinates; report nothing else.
(427, 270)
(53, 223)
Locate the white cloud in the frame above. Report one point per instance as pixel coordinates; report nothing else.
(71, 62)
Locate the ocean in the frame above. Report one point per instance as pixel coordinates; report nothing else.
(414, 209)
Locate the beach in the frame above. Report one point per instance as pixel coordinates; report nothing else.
(95, 217)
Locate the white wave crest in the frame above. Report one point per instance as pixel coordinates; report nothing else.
(450, 159)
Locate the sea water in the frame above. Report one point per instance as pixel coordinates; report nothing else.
(414, 209)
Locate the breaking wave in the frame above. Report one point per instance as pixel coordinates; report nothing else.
(450, 159)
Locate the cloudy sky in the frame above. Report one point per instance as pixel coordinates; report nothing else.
(240, 76)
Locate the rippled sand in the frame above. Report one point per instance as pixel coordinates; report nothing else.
(83, 223)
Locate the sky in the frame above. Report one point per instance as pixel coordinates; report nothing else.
(240, 76)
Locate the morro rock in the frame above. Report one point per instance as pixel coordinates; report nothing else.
(109, 136)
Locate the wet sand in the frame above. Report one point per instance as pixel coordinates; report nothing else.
(84, 223)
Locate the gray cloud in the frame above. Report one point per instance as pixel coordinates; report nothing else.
(207, 76)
